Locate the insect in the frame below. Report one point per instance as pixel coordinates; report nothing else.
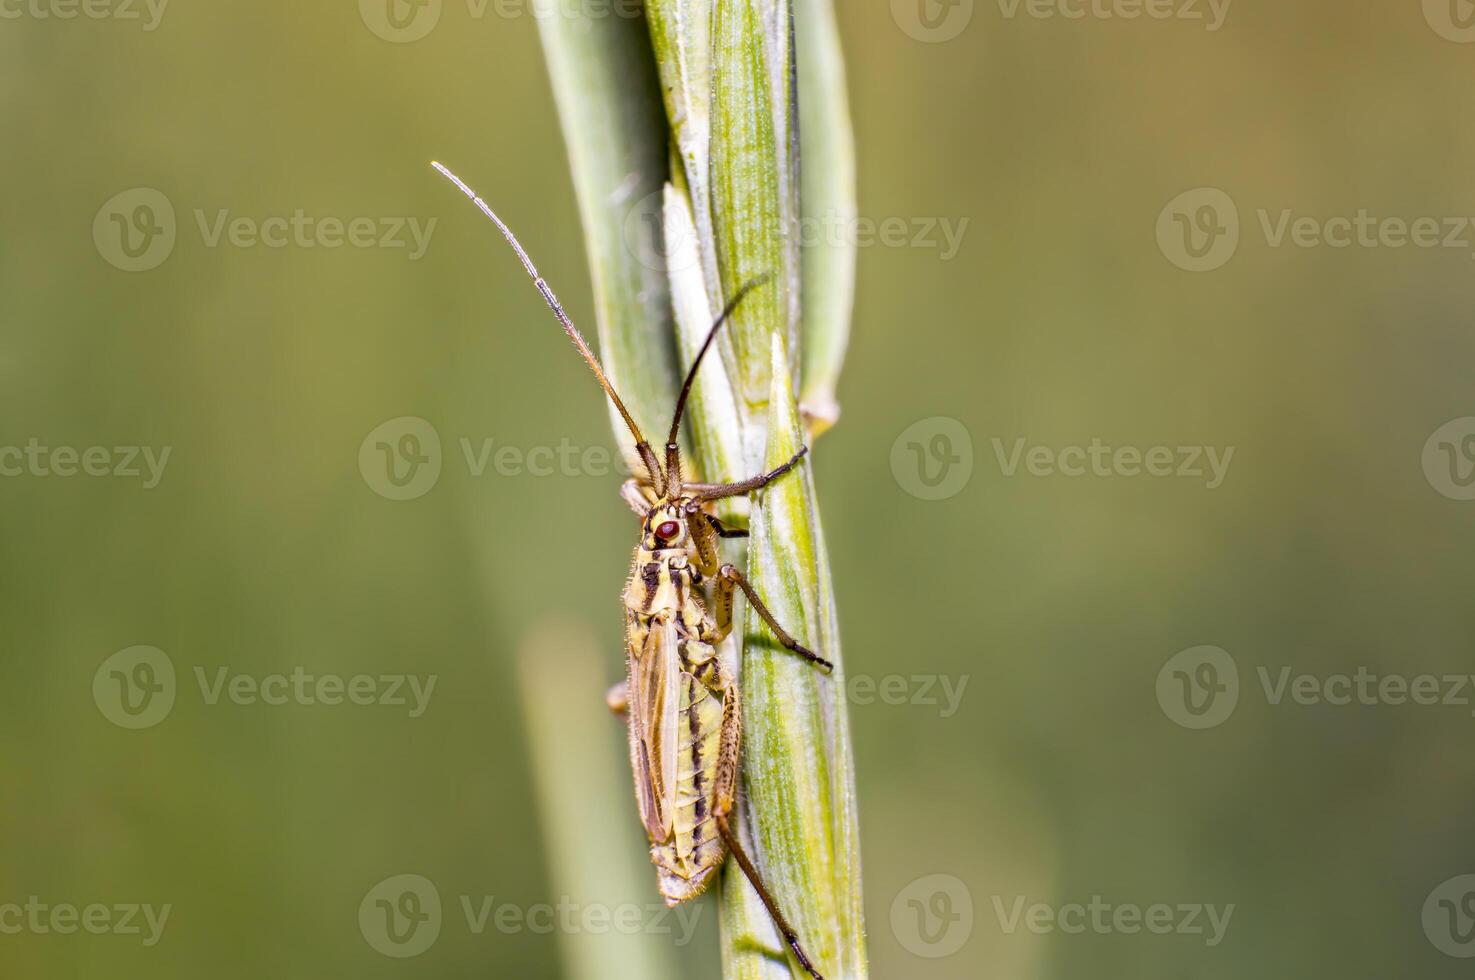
(684, 713)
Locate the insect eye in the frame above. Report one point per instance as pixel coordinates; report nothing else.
(668, 530)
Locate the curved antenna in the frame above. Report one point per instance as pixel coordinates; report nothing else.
(673, 451)
(658, 479)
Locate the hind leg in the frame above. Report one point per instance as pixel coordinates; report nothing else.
(727, 776)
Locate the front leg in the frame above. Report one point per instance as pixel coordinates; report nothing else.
(634, 493)
(719, 491)
(729, 579)
(726, 530)
(704, 531)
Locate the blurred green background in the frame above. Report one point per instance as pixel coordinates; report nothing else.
(1332, 543)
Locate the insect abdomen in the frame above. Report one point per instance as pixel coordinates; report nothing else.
(685, 863)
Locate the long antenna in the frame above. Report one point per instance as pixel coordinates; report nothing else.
(673, 468)
(641, 446)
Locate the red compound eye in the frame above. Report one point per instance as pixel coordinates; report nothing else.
(668, 530)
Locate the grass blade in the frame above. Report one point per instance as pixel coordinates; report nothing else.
(747, 213)
(828, 200)
(799, 783)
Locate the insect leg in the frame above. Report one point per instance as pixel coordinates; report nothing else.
(618, 698)
(705, 554)
(702, 527)
(717, 491)
(726, 531)
(728, 579)
(725, 798)
(632, 493)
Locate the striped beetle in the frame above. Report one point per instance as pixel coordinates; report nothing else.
(684, 714)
